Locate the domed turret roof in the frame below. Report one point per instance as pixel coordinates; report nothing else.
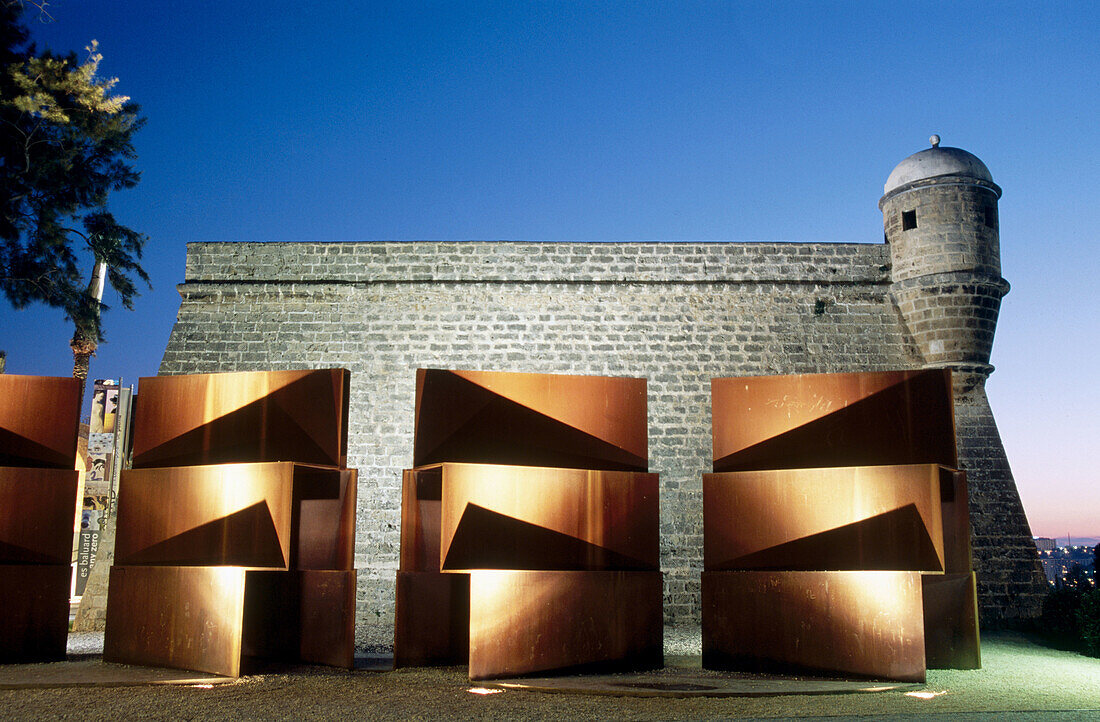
(937, 161)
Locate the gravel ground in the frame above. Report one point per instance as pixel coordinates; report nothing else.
(1020, 678)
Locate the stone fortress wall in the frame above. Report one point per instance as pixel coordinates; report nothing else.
(676, 313)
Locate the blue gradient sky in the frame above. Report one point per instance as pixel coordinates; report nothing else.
(617, 121)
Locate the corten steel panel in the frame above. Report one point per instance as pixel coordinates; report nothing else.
(235, 514)
(39, 418)
(583, 422)
(951, 636)
(37, 509)
(278, 515)
(526, 621)
(181, 617)
(242, 417)
(956, 522)
(325, 524)
(35, 622)
(299, 616)
(432, 619)
(529, 517)
(421, 495)
(861, 624)
(854, 419)
(848, 518)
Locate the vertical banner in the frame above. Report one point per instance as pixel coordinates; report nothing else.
(99, 476)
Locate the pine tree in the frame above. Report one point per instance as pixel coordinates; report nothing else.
(65, 144)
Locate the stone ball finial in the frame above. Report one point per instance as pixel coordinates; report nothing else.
(935, 141)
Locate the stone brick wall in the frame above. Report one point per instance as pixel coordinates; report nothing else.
(678, 314)
(1011, 583)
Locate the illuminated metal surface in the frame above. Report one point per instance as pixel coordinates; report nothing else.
(37, 508)
(524, 517)
(224, 564)
(857, 419)
(432, 619)
(35, 600)
(38, 421)
(883, 497)
(530, 495)
(864, 624)
(848, 518)
(242, 417)
(181, 617)
(584, 422)
(530, 621)
(238, 514)
(951, 636)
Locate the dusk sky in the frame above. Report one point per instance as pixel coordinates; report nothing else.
(616, 121)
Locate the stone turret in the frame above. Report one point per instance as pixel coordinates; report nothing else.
(939, 212)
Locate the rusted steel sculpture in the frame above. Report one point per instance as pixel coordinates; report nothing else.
(836, 531)
(529, 527)
(38, 490)
(242, 550)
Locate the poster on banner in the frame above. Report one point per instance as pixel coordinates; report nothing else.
(104, 408)
(95, 506)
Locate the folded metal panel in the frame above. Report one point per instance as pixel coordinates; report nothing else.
(846, 623)
(586, 422)
(234, 514)
(535, 621)
(37, 513)
(39, 418)
(180, 617)
(526, 517)
(847, 419)
(849, 518)
(242, 417)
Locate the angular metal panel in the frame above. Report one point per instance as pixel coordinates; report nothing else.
(35, 623)
(37, 511)
(528, 517)
(242, 417)
(586, 422)
(180, 617)
(39, 418)
(850, 518)
(951, 636)
(524, 621)
(863, 624)
(238, 514)
(853, 419)
(276, 515)
(431, 619)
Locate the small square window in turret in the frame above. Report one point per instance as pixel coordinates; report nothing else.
(908, 220)
(991, 216)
